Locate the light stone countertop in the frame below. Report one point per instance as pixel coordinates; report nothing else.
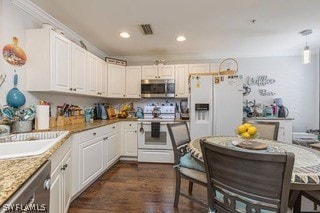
(15, 171)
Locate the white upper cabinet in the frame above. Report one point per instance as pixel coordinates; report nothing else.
(79, 66)
(181, 81)
(149, 72)
(133, 82)
(95, 70)
(166, 71)
(49, 61)
(158, 72)
(199, 68)
(116, 81)
(92, 74)
(101, 91)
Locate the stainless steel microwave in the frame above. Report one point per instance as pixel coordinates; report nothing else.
(157, 88)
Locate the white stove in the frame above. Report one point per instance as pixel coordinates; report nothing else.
(155, 148)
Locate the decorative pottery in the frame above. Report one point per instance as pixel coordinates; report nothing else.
(15, 98)
(13, 54)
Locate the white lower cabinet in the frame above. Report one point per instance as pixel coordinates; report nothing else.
(91, 160)
(94, 151)
(129, 139)
(113, 148)
(61, 178)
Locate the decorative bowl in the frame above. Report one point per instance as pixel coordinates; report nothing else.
(123, 114)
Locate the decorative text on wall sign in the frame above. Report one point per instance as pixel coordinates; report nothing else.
(261, 80)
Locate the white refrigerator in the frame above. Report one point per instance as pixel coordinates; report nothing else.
(216, 104)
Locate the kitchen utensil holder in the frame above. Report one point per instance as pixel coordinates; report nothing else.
(72, 120)
(228, 71)
(22, 126)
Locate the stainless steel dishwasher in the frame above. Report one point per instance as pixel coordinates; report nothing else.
(33, 195)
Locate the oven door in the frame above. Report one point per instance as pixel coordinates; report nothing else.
(147, 141)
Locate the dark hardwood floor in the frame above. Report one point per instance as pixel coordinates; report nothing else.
(136, 187)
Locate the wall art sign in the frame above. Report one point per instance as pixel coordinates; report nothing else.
(13, 54)
(264, 92)
(261, 80)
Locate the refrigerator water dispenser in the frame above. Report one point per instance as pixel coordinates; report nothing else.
(202, 113)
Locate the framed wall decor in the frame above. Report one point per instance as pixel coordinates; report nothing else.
(115, 61)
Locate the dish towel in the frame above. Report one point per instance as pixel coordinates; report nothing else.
(155, 129)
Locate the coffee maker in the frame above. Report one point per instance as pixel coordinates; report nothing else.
(184, 110)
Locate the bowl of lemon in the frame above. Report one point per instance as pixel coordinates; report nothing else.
(247, 131)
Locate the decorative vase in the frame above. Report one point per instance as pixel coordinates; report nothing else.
(15, 98)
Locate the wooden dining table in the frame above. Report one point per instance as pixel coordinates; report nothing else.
(306, 169)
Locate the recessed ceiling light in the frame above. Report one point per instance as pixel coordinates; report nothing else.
(125, 35)
(181, 38)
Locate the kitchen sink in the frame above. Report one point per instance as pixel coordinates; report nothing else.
(28, 144)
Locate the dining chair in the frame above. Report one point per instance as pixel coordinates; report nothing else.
(247, 181)
(180, 137)
(312, 195)
(267, 130)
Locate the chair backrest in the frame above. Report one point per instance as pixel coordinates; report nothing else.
(267, 130)
(180, 137)
(251, 180)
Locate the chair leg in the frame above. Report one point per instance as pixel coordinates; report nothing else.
(177, 193)
(190, 187)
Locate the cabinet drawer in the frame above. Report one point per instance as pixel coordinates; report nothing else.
(91, 134)
(57, 157)
(111, 127)
(131, 125)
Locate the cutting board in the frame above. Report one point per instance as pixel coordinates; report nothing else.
(111, 113)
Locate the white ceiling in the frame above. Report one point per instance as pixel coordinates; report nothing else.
(214, 28)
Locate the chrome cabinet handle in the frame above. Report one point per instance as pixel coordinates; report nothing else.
(47, 184)
(105, 138)
(94, 133)
(70, 89)
(113, 127)
(74, 89)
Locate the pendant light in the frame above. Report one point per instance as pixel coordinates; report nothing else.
(306, 55)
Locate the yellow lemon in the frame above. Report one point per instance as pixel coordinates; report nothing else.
(241, 129)
(252, 130)
(245, 135)
(247, 125)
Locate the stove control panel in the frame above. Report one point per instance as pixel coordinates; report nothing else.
(163, 109)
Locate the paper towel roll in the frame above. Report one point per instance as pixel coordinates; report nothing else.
(42, 117)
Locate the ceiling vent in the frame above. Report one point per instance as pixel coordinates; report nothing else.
(146, 29)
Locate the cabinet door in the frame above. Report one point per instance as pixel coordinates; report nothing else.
(105, 80)
(181, 81)
(78, 65)
(166, 71)
(100, 70)
(133, 82)
(199, 68)
(116, 81)
(56, 191)
(67, 181)
(114, 146)
(149, 72)
(92, 73)
(61, 63)
(91, 160)
(130, 142)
